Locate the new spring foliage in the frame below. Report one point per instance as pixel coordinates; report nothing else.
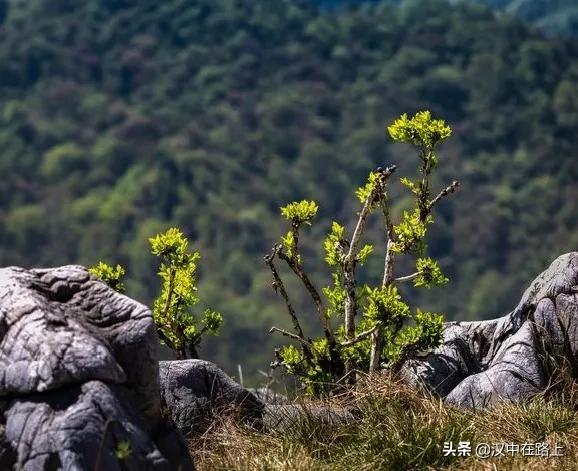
(172, 309)
(375, 325)
(177, 324)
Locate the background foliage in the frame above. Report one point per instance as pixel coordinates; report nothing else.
(121, 118)
(553, 16)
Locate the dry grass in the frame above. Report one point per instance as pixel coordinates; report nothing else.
(400, 428)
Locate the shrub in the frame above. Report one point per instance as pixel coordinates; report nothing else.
(177, 325)
(376, 326)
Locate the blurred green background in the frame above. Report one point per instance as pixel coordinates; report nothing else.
(120, 118)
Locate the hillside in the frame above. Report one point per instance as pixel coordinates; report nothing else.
(553, 16)
(121, 117)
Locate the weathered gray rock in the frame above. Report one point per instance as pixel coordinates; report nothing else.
(284, 416)
(79, 375)
(509, 358)
(268, 396)
(193, 391)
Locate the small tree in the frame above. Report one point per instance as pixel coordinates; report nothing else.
(177, 325)
(375, 327)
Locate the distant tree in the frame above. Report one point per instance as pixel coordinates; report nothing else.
(177, 325)
(373, 326)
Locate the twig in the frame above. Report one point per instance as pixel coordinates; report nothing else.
(361, 336)
(376, 348)
(423, 195)
(426, 209)
(298, 270)
(171, 321)
(293, 336)
(165, 339)
(446, 191)
(278, 285)
(384, 174)
(402, 279)
(390, 236)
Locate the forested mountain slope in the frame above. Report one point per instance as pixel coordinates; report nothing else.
(119, 118)
(554, 16)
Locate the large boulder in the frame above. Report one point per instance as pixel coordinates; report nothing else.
(194, 391)
(79, 377)
(512, 357)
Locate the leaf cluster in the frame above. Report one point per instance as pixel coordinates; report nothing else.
(112, 276)
(421, 130)
(300, 212)
(429, 273)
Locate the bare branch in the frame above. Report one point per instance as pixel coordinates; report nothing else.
(390, 237)
(376, 347)
(402, 279)
(446, 191)
(377, 334)
(424, 190)
(349, 259)
(298, 270)
(301, 340)
(384, 174)
(361, 336)
(280, 287)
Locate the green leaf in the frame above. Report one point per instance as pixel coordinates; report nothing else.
(364, 253)
(413, 186)
(170, 242)
(431, 327)
(288, 242)
(292, 359)
(425, 335)
(332, 245)
(112, 276)
(122, 450)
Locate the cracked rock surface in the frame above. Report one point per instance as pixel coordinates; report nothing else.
(79, 376)
(512, 357)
